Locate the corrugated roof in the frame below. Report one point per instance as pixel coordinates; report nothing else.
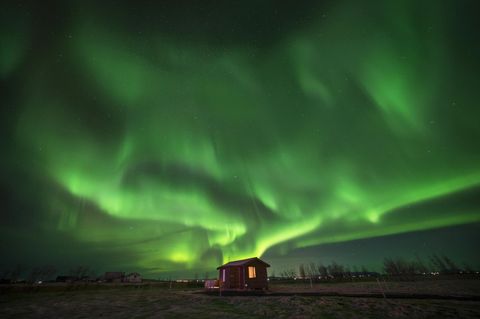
(242, 262)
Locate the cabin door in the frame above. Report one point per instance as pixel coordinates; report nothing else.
(234, 277)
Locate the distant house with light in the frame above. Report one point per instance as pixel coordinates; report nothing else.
(133, 277)
(245, 274)
(114, 276)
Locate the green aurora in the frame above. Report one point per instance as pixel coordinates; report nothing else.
(185, 134)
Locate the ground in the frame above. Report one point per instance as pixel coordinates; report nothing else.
(155, 301)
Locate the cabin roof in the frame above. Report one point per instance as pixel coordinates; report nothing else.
(243, 262)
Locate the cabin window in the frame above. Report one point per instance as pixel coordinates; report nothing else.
(223, 275)
(251, 272)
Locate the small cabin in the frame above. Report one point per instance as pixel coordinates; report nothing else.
(134, 277)
(245, 274)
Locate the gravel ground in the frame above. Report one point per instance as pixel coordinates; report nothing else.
(155, 302)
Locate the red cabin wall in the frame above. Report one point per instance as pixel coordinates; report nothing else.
(261, 279)
(236, 277)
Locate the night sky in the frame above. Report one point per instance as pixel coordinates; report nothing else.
(173, 136)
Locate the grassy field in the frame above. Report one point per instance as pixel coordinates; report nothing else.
(156, 301)
(455, 287)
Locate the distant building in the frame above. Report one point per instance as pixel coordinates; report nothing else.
(133, 277)
(114, 276)
(245, 274)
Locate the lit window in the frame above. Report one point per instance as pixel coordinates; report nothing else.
(251, 272)
(223, 274)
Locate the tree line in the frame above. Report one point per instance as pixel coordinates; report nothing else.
(436, 265)
(333, 270)
(393, 267)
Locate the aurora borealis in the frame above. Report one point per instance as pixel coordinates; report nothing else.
(181, 134)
